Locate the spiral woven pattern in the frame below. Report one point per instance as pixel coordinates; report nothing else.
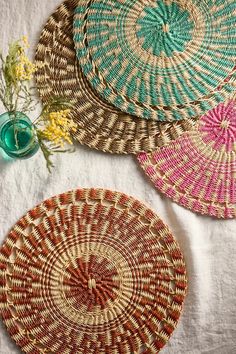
(100, 125)
(161, 60)
(91, 271)
(198, 170)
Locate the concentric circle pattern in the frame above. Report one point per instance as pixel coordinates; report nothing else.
(100, 125)
(91, 271)
(161, 60)
(159, 28)
(198, 170)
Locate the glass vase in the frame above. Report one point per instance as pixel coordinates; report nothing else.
(17, 135)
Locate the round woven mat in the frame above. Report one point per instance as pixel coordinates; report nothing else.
(198, 170)
(100, 125)
(164, 59)
(91, 271)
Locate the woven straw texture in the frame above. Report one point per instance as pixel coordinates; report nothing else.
(161, 60)
(100, 125)
(91, 271)
(198, 170)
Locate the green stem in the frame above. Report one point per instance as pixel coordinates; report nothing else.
(16, 130)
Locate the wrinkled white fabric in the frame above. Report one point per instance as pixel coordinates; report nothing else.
(208, 323)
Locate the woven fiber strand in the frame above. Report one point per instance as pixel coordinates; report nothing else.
(198, 170)
(161, 60)
(100, 125)
(91, 271)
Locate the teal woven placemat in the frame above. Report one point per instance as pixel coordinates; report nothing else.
(164, 60)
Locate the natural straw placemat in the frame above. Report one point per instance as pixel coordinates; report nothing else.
(100, 125)
(198, 170)
(91, 271)
(163, 60)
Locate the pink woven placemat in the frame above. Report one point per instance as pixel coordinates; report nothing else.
(198, 170)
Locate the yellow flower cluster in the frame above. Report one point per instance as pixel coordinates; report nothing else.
(59, 128)
(25, 41)
(24, 69)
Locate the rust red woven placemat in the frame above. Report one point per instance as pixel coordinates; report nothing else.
(91, 271)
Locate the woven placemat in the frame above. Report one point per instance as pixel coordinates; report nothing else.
(100, 125)
(198, 170)
(163, 60)
(91, 271)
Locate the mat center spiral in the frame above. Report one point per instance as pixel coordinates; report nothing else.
(91, 283)
(165, 28)
(225, 124)
(219, 127)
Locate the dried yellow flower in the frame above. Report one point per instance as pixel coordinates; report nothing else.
(25, 69)
(25, 41)
(59, 127)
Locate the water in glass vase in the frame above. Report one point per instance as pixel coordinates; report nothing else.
(17, 137)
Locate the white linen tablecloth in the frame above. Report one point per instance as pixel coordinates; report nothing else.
(208, 323)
